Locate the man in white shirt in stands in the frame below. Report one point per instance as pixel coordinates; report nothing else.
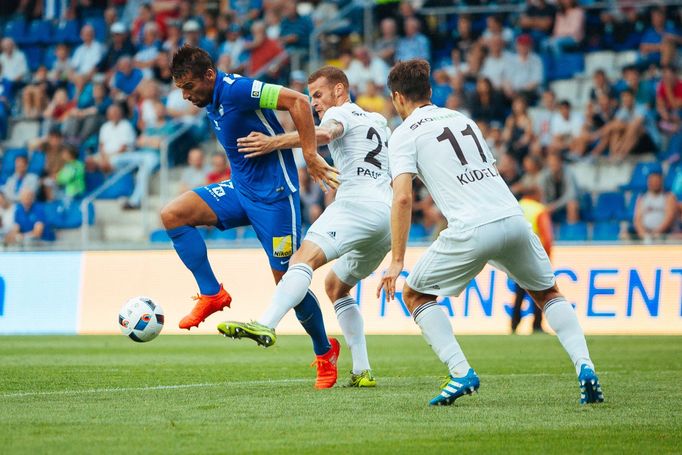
(497, 61)
(86, 56)
(13, 61)
(564, 128)
(524, 73)
(447, 151)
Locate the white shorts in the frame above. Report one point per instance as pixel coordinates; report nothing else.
(455, 258)
(357, 233)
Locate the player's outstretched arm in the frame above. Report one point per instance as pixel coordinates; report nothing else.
(401, 216)
(299, 107)
(257, 144)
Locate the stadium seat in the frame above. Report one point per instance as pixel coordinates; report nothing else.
(640, 174)
(159, 236)
(630, 209)
(67, 32)
(601, 60)
(606, 231)
(418, 233)
(100, 27)
(674, 172)
(16, 29)
(36, 165)
(570, 64)
(610, 207)
(567, 89)
(123, 187)
(39, 32)
(586, 207)
(34, 56)
(572, 232)
(67, 216)
(8, 160)
(626, 58)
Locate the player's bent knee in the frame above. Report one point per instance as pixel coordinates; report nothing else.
(542, 297)
(335, 288)
(413, 299)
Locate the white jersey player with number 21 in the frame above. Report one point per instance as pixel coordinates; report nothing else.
(446, 150)
(355, 228)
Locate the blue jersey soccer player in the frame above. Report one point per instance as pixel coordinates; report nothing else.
(263, 192)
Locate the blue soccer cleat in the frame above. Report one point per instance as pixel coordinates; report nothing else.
(590, 389)
(454, 388)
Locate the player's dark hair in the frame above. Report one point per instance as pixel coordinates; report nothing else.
(332, 74)
(411, 79)
(191, 60)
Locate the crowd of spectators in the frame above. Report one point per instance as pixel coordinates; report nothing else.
(105, 99)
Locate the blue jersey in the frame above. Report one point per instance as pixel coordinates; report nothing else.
(235, 112)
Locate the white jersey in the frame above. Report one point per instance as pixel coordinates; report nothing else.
(448, 152)
(360, 154)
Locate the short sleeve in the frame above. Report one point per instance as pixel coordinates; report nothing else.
(339, 115)
(402, 154)
(250, 94)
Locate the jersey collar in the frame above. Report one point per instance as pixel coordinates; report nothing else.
(217, 92)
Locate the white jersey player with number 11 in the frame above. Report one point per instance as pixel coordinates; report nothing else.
(355, 228)
(485, 225)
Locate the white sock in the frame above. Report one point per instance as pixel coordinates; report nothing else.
(353, 328)
(289, 293)
(562, 319)
(437, 331)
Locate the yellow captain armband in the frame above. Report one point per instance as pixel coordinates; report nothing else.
(269, 95)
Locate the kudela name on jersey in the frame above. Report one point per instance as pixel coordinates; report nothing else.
(477, 174)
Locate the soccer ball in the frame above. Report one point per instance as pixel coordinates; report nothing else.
(141, 319)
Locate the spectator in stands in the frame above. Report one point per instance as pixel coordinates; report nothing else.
(569, 27)
(173, 37)
(494, 138)
(184, 113)
(220, 168)
(468, 72)
(414, 44)
(161, 72)
(532, 178)
(191, 31)
(148, 96)
(57, 109)
(294, 29)
(120, 46)
(495, 29)
(441, 88)
(652, 40)
(125, 79)
(273, 22)
(312, 198)
(598, 127)
(34, 96)
(366, 69)
(600, 86)
(298, 81)
(424, 210)
(61, 67)
(116, 138)
(644, 90)
(86, 56)
(371, 99)
(71, 177)
(523, 74)
(13, 61)
(194, 174)
(21, 179)
(509, 171)
(670, 55)
(30, 223)
(6, 102)
(85, 120)
(464, 38)
(387, 43)
(565, 127)
(542, 121)
(486, 104)
(264, 53)
(538, 19)
(669, 100)
(655, 210)
(247, 10)
(497, 62)
(518, 130)
(559, 190)
(628, 132)
(233, 49)
(6, 216)
(148, 49)
(51, 146)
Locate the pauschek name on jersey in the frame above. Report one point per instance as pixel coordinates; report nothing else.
(368, 173)
(477, 174)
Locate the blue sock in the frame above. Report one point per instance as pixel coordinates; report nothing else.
(310, 316)
(191, 248)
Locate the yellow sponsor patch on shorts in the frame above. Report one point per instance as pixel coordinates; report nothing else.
(282, 247)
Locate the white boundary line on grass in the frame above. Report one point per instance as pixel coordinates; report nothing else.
(157, 387)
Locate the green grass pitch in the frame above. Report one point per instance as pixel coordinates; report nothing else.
(208, 394)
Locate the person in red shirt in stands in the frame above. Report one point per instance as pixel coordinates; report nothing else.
(263, 51)
(669, 100)
(220, 169)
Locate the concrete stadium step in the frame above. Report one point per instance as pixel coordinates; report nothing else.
(21, 132)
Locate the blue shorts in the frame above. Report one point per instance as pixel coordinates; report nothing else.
(277, 224)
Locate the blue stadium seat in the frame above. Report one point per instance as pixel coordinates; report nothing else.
(37, 163)
(34, 56)
(606, 231)
(93, 180)
(67, 216)
(39, 32)
(123, 187)
(67, 32)
(418, 233)
(610, 207)
(586, 207)
(8, 160)
(630, 209)
(674, 173)
(573, 232)
(640, 174)
(566, 67)
(159, 236)
(16, 29)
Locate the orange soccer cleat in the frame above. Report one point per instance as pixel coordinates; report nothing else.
(326, 366)
(206, 305)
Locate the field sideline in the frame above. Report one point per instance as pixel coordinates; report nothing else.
(208, 394)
